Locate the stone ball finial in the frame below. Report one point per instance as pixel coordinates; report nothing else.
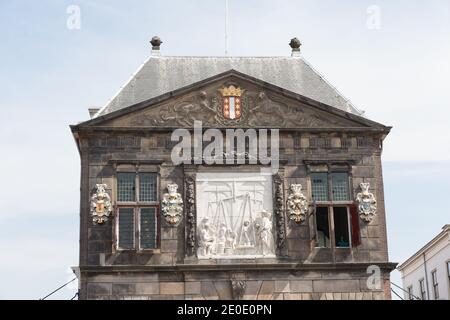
(295, 44)
(156, 42)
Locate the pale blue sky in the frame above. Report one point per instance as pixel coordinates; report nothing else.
(50, 75)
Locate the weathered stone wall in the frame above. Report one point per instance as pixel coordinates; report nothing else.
(101, 153)
(260, 285)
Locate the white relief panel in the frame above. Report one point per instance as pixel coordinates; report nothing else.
(234, 215)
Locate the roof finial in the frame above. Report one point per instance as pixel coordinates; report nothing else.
(295, 45)
(156, 43)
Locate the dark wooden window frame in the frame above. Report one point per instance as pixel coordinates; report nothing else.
(447, 267)
(136, 206)
(354, 235)
(423, 292)
(410, 292)
(435, 284)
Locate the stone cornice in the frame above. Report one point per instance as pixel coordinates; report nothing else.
(255, 266)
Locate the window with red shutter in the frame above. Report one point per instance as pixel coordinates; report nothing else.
(356, 232)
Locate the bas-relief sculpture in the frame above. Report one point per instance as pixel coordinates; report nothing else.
(100, 204)
(172, 205)
(367, 204)
(297, 204)
(233, 217)
(256, 109)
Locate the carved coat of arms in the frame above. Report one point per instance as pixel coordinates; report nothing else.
(232, 97)
(172, 205)
(100, 204)
(367, 205)
(297, 204)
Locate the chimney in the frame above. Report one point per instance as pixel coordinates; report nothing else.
(295, 45)
(156, 44)
(93, 111)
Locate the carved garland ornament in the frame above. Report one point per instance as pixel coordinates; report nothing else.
(100, 204)
(279, 211)
(297, 204)
(172, 205)
(190, 215)
(367, 204)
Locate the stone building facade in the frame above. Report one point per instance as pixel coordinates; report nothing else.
(150, 228)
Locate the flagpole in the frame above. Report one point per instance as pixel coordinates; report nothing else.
(226, 27)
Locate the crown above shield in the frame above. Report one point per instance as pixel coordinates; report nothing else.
(231, 91)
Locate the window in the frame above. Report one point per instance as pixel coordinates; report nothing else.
(337, 224)
(423, 293)
(126, 187)
(323, 231)
(320, 182)
(339, 183)
(448, 270)
(448, 275)
(410, 293)
(147, 187)
(341, 227)
(137, 225)
(126, 228)
(148, 224)
(435, 285)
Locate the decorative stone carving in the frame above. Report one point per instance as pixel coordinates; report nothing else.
(172, 205)
(297, 204)
(256, 109)
(279, 211)
(232, 97)
(264, 231)
(238, 288)
(367, 204)
(233, 220)
(295, 44)
(190, 215)
(100, 204)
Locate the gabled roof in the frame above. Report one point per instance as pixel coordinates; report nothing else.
(356, 122)
(162, 74)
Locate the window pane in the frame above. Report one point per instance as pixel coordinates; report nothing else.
(126, 186)
(147, 187)
(148, 228)
(435, 285)
(422, 289)
(323, 230)
(341, 227)
(126, 228)
(319, 186)
(339, 184)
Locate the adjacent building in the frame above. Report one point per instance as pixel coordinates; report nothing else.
(231, 178)
(426, 274)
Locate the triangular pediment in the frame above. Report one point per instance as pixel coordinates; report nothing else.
(232, 99)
